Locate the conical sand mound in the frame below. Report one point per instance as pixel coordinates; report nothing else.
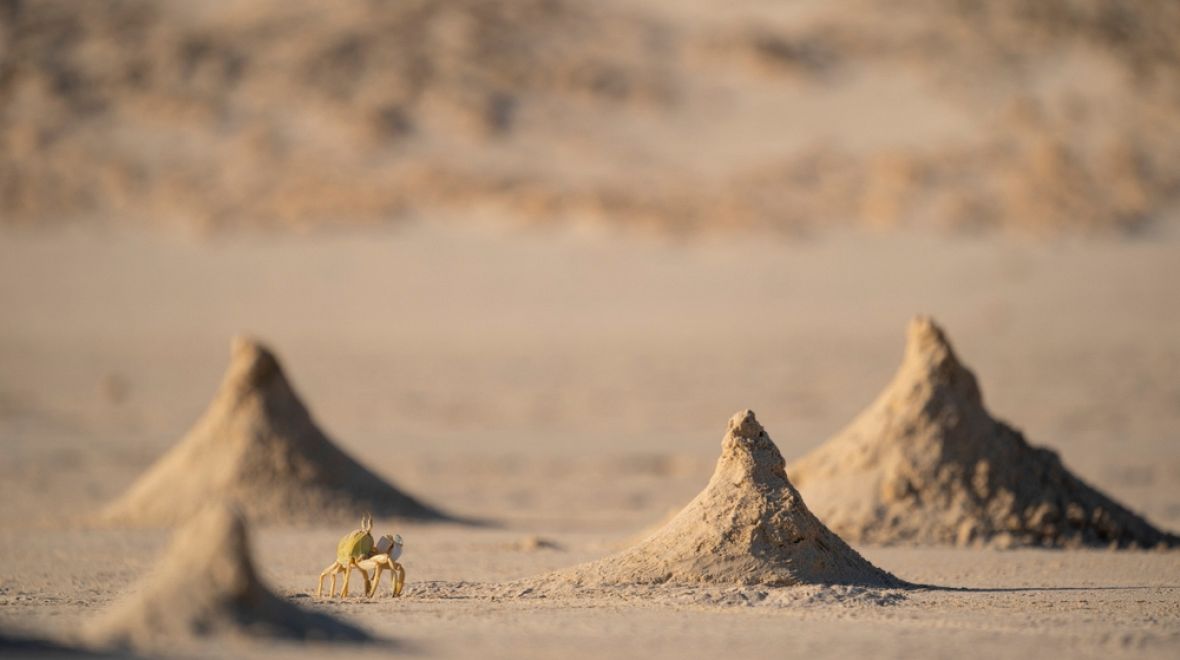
(747, 527)
(258, 445)
(926, 463)
(206, 586)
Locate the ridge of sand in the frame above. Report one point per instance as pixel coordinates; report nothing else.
(749, 526)
(927, 463)
(206, 586)
(258, 445)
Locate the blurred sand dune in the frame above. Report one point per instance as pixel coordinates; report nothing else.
(670, 117)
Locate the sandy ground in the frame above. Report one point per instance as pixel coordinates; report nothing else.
(576, 388)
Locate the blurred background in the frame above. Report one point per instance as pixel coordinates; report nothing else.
(556, 244)
(673, 117)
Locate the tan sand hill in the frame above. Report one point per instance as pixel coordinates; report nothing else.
(258, 445)
(206, 586)
(926, 463)
(749, 526)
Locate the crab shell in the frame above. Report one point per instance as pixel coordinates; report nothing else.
(356, 546)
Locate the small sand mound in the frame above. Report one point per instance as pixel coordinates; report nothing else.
(926, 463)
(747, 527)
(206, 586)
(258, 445)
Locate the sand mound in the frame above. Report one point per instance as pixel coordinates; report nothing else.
(258, 445)
(747, 527)
(206, 586)
(927, 463)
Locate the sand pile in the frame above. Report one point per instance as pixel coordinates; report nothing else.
(206, 586)
(927, 463)
(749, 526)
(258, 445)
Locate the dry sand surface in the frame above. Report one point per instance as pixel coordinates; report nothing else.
(573, 389)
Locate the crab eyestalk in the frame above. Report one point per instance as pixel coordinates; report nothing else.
(400, 582)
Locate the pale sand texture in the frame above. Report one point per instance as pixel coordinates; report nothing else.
(571, 388)
(1088, 604)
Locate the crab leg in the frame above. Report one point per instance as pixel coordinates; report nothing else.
(347, 577)
(379, 568)
(368, 585)
(398, 580)
(319, 589)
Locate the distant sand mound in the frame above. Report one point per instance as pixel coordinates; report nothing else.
(206, 586)
(747, 527)
(926, 463)
(258, 445)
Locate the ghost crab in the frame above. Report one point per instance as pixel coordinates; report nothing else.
(384, 558)
(355, 547)
(357, 550)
